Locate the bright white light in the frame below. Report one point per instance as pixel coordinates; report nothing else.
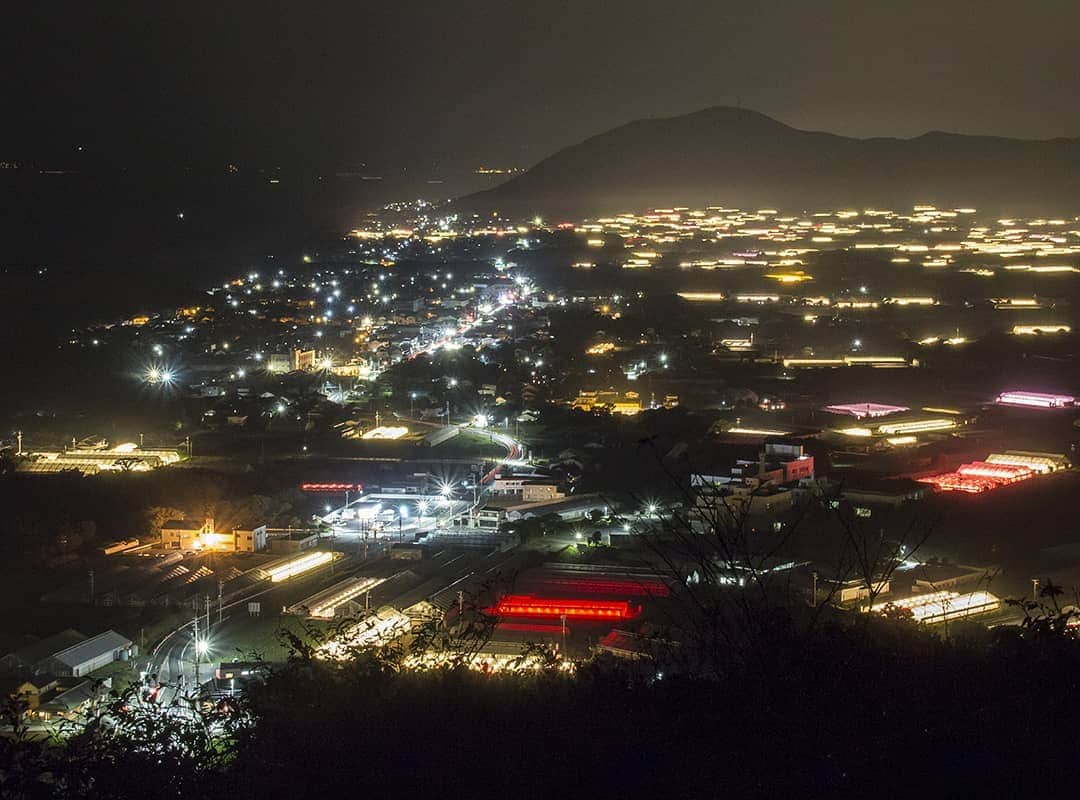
(159, 375)
(386, 432)
(298, 565)
(944, 606)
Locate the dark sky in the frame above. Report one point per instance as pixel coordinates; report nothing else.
(460, 83)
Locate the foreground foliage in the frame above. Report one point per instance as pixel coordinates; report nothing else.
(886, 707)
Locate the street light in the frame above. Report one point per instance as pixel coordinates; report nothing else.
(159, 375)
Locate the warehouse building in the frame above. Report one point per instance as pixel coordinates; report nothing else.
(85, 657)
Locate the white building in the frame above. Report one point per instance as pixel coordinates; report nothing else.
(95, 653)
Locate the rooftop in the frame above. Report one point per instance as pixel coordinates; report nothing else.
(43, 648)
(84, 651)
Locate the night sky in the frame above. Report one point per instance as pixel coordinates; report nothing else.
(506, 83)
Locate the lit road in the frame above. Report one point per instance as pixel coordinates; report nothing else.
(173, 658)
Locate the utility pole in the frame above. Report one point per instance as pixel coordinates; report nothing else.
(208, 614)
(1034, 588)
(220, 590)
(140, 441)
(91, 587)
(18, 436)
(195, 633)
(814, 574)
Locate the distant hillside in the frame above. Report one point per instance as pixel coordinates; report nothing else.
(731, 156)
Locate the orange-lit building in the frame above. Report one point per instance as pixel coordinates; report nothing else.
(178, 534)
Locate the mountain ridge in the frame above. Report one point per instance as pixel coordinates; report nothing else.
(733, 156)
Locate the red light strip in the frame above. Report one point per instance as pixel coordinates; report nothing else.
(331, 487)
(531, 606)
(971, 482)
(1004, 472)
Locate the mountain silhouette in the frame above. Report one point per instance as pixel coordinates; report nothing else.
(737, 157)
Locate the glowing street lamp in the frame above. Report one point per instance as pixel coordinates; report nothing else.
(158, 375)
(447, 491)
